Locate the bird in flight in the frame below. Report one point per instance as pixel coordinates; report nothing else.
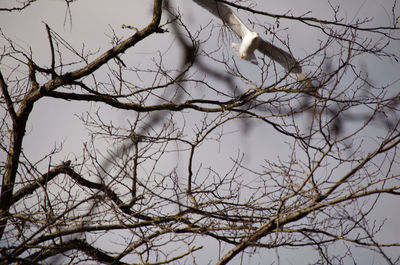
(252, 41)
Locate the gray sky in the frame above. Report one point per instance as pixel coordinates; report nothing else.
(54, 121)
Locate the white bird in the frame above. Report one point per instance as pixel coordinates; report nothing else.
(252, 41)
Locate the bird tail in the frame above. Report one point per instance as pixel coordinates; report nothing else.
(236, 47)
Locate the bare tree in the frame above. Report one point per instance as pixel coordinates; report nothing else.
(141, 192)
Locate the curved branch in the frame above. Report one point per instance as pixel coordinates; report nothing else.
(77, 244)
(29, 189)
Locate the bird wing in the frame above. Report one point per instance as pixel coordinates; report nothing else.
(226, 15)
(285, 59)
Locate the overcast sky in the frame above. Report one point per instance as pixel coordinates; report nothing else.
(90, 21)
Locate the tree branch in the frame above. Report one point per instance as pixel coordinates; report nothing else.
(8, 100)
(308, 19)
(29, 189)
(77, 244)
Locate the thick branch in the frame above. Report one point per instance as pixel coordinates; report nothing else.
(107, 190)
(77, 244)
(151, 28)
(29, 189)
(8, 100)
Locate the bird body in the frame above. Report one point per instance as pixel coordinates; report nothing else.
(247, 47)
